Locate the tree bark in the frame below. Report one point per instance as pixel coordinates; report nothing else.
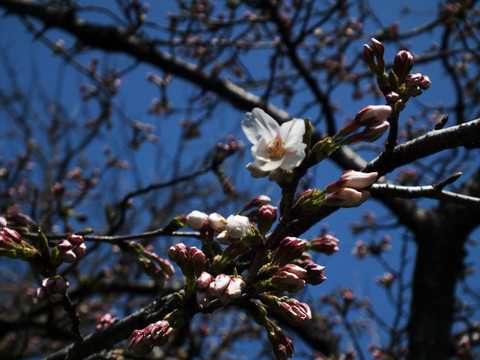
(439, 262)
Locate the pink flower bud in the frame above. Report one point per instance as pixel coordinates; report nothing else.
(11, 234)
(233, 291)
(223, 238)
(53, 289)
(314, 274)
(360, 250)
(266, 216)
(326, 244)
(392, 97)
(166, 267)
(198, 260)
(196, 219)
(235, 288)
(287, 281)
(80, 250)
(142, 341)
(68, 256)
(377, 47)
(373, 114)
(238, 226)
(294, 269)
(204, 280)
(369, 58)
(402, 64)
(75, 239)
(425, 83)
(219, 285)
(413, 80)
(290, 248)
(386, 280)
(64, 245)
(352, 179)
(347, 197)
(178, 253)
(217, 222)
(281, 345)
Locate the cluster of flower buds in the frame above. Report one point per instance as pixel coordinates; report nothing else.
(372, 53)
(11, 245)
(326, 244)
(225, 288)
(222, 151)
(231, 229)
(375, 248)
(400, 84)
(190, 259)
(52, 289)
(415, 83)
(156, 334)
(263, 213)
(294, 310)
(69, 249)
(349, 191)
(106, 320)
(282, 346)
(386, 280)
(372, 118)
(292, 278)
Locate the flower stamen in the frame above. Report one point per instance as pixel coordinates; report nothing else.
(276, 149)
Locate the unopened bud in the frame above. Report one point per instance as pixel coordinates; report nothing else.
(266, 216)
(373, 114)
(196, 219)
(217, 222)
(289, 249)
(352, 179)
(347, 197)
(314, 274)
(238, 226)
(326, 244)
(402, 64)
(369, 58)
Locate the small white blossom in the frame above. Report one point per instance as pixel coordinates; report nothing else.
(196, 219)
(238, 226)
(274, 146)
(217, 222)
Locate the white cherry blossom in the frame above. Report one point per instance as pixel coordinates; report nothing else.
(274, 146)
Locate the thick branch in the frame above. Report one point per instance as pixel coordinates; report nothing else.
(431, 143)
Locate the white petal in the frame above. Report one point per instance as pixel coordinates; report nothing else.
(269, 165)
(260, 150)
(257, 124)
(291, 133)
(293, 159)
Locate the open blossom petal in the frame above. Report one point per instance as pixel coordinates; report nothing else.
(257, 124)
(274, 146)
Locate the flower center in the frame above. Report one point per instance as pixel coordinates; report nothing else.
(275, 149)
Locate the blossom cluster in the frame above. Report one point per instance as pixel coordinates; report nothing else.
(52, 289)
(69, 249)
(225, 288)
